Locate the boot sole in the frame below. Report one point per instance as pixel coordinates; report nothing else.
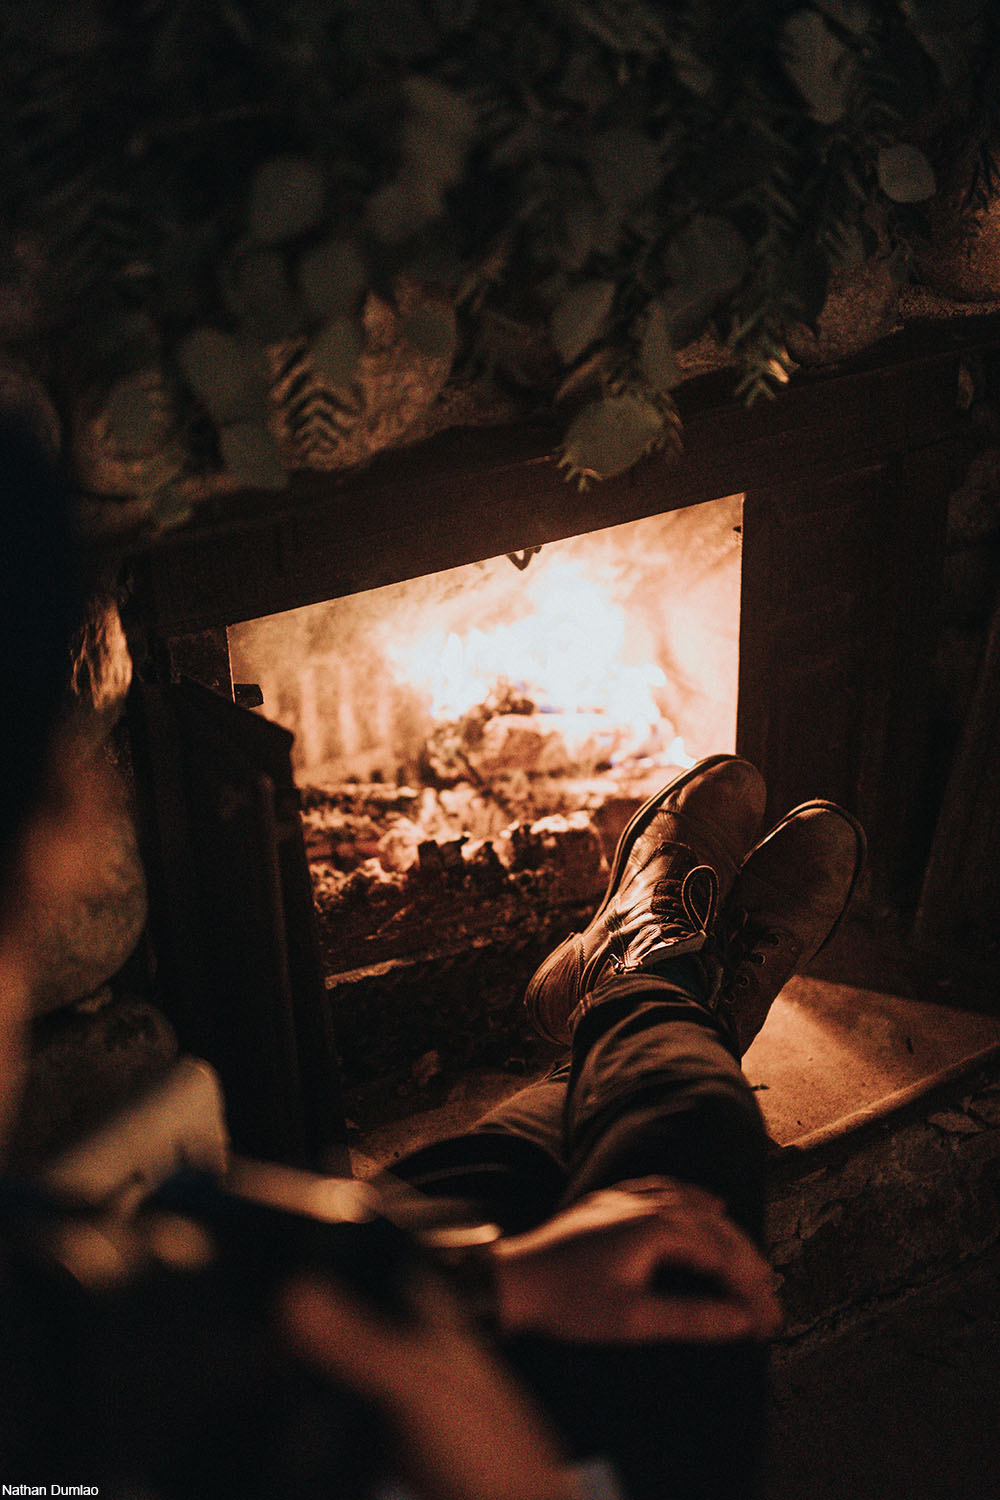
(634, 829)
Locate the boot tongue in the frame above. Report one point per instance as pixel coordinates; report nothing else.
(667, 911)
(684, 890)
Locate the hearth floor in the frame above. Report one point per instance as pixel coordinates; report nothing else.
(831, 1057)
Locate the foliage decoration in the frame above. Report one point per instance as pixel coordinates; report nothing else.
(202, 204)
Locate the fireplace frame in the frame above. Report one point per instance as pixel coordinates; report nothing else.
(846, 480)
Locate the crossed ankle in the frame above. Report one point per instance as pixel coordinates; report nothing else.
(621, 994)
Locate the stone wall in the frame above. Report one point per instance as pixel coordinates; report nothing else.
(887, 1208)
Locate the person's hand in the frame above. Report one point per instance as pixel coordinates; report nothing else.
(606, 1270)
(465, 1428)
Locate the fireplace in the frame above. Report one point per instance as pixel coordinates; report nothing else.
(453, 768)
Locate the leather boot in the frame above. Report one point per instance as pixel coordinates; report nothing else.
(674, 866)
(788, 901)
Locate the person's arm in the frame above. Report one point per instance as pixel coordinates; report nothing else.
(655, 1260)
(465, 1429)
(604, 1270)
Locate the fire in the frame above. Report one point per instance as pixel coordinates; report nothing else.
(617, 647)
(488, 731)
(567, 652)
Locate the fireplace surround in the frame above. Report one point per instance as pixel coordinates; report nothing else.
(845, 483)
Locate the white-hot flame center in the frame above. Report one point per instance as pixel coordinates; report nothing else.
(568, 652)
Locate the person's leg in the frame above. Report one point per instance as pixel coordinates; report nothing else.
(651, 1089)
(509, 1167)
(655, 1088)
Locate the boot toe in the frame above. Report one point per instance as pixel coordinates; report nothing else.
(822, 850)
(724, 809)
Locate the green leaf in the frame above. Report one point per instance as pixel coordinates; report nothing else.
(851, 252)
(251, 456)
(624, 166)
(288, 197)
(332, 277)
(171, 508)
(400, 208)
(609, 436)
(434, 140)
(853, 15)
(818, 64)
(693, 73)
(630, 27)
(436, 133)
(451, 113)
(951, 34)
(260, 297)
(905, 175)
(221, 371)
(336, 350)
(135, 411)
(432, 329)
(657, 359)
(580, 222)
(709, 255)
(705, 262)
(578, 317)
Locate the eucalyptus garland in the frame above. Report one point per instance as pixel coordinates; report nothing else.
(190, 184)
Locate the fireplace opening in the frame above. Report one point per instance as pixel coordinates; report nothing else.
(468, 747)
(491, 728)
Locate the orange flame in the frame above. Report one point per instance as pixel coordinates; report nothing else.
(567, 651)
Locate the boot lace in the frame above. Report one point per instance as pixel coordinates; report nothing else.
(686, 901)
(744, 943)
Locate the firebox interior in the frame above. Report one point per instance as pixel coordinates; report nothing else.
(470, 743)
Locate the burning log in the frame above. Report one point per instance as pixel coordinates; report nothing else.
(370, 912)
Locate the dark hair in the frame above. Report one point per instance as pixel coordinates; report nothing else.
(39, 606)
